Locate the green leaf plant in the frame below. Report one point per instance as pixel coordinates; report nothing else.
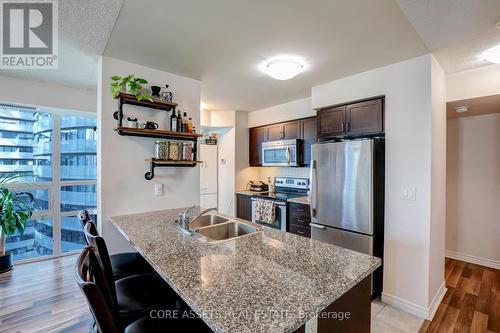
(130, 85)
(15, 211)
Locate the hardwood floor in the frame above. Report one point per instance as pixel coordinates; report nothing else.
(42, 297)
(472, 302)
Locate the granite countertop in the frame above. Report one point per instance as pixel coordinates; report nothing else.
(270, 281)
(249, 193)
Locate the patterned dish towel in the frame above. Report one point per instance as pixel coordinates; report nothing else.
(264, 211)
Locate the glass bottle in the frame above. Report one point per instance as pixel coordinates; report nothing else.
(190, 125)
(179, 122)
(184, 123)
(173, 122)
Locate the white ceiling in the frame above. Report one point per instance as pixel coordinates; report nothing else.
(456, 31)
(222, 42)
(84, 29)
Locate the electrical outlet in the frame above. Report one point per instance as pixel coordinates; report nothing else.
(409, 193)
(158, 190)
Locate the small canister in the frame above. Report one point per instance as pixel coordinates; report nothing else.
(173, 151)
(187, 151)
(161, 150)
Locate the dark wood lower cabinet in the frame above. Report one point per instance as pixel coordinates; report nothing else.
(244, 207)
(299, 217)
(356, 303)
(351, 313)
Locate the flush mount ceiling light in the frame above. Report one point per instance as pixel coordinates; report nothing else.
(282, 68)
(492, 55)
(462, 109)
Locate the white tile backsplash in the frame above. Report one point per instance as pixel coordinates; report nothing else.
(265, 172)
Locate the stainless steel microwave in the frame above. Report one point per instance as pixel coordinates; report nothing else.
(281, 153)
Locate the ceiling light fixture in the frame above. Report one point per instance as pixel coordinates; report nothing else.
(282, 68)
(492, 55)
(461, 109)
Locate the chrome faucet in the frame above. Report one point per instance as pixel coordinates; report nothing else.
(183, 219)
(203, 212)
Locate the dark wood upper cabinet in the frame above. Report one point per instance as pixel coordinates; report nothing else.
(275, 132)
(291, 130)
(355, 119)
(331, 122)
(257, 137)
(309, 136)
(365, 117)
(284, 131)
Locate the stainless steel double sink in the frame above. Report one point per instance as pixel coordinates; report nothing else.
(215, 229)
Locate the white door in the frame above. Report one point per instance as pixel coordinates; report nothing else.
(208, 170)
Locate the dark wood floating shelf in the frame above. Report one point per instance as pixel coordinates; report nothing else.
(159, 105)
(154, 163)
(156, 133)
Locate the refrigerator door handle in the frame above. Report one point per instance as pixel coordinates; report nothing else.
(313, 187)
(317, 226)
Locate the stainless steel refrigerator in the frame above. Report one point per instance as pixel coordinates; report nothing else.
(347, 197)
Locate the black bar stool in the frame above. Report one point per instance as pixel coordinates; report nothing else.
(122, 264)
(133, 295)
(93, 283)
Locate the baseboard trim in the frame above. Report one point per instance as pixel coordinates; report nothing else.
(473, 259)
(413, 308)
(405, 306)
(437, 300)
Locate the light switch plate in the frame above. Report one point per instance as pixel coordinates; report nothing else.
(409, 193)
(158, 190)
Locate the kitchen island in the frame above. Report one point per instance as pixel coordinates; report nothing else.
(269, 281)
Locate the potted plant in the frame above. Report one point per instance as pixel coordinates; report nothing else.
(130, 85)
(15, 211)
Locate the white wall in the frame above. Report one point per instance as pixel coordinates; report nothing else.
(473, 189)
(300, 108)
(233, 150)
(438, 186)
(408, 112)
(122, 188)
(483, 81)
(46, 94)
(227, 180)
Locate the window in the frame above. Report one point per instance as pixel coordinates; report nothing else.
(56, 156)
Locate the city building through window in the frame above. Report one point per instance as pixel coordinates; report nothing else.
(54, 154)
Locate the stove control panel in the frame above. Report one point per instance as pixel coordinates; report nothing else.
(291, 182)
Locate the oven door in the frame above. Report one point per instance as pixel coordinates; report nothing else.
(280, 153)
(279, 214)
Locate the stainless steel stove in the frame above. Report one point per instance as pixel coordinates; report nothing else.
(285, 188)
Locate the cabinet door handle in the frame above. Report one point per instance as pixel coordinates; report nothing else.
(300, 209)
(343, 125)
(348, 126)
(300, 221)
(300, 232)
